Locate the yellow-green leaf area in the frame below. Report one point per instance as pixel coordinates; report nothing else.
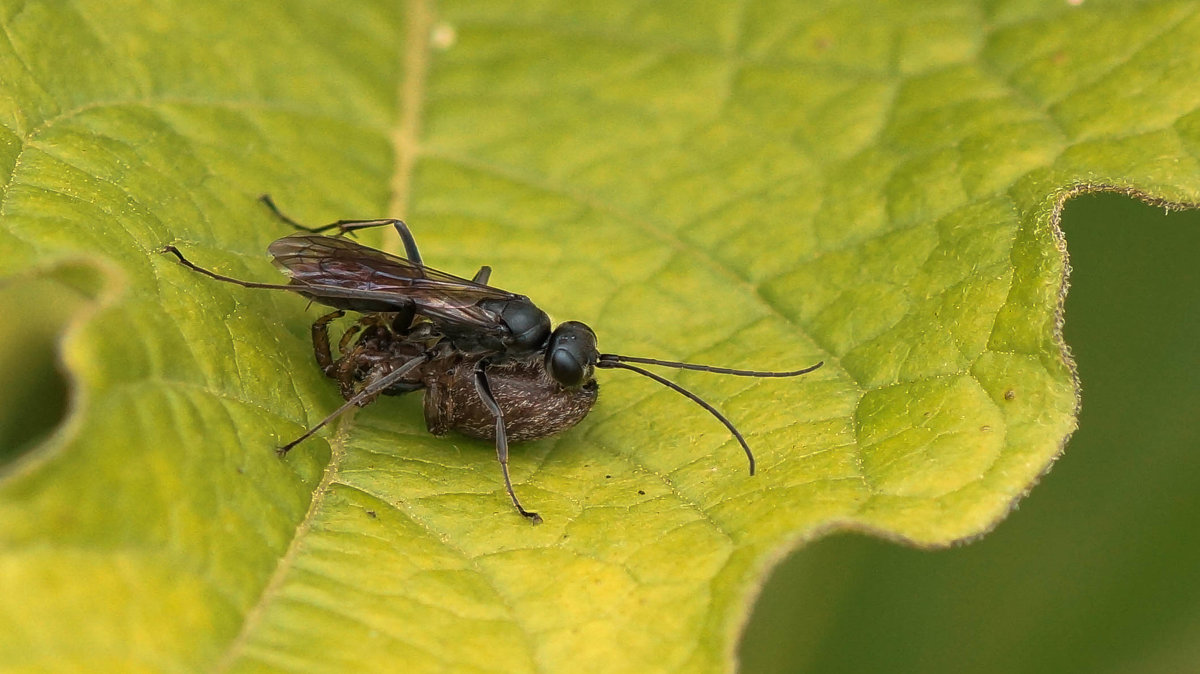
(762, 185)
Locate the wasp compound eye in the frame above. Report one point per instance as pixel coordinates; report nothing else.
(571, 355)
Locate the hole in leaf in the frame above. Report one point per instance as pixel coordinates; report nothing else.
(33, 399)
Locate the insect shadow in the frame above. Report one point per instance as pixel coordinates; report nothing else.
(487, 359)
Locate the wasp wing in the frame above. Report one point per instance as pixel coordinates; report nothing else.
(349, 275)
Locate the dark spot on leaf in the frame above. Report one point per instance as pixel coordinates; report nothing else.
(371, 514)
(641, 492)
(1010, 394)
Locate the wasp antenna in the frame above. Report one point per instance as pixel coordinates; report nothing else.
(617, 358)
(612, 363)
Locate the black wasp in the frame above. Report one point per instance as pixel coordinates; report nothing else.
(487, 359)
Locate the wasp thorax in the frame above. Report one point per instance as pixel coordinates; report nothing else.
(528, 325)
(571, 354)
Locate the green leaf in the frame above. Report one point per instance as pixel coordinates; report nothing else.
(1093, 570)
(749, 185)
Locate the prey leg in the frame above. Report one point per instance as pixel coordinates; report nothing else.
(320, 339)
(348, 336)
(348, 226)
(485, 393)
(343, 373)
(364, 396)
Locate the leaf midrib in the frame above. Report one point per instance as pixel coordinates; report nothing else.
(405, 148)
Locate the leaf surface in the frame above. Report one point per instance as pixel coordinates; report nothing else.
(761, 185)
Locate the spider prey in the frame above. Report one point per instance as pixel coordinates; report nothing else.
(487, 359)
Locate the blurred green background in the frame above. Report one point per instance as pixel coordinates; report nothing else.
(1099, 568)
(1096, 572)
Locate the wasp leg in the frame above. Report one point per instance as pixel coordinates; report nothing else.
(366, 395)
(482, 276)
(320, 339)
(270, 203)
(348, 226)
(485, 393)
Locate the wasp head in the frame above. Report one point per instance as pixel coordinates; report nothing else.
(571, 354)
